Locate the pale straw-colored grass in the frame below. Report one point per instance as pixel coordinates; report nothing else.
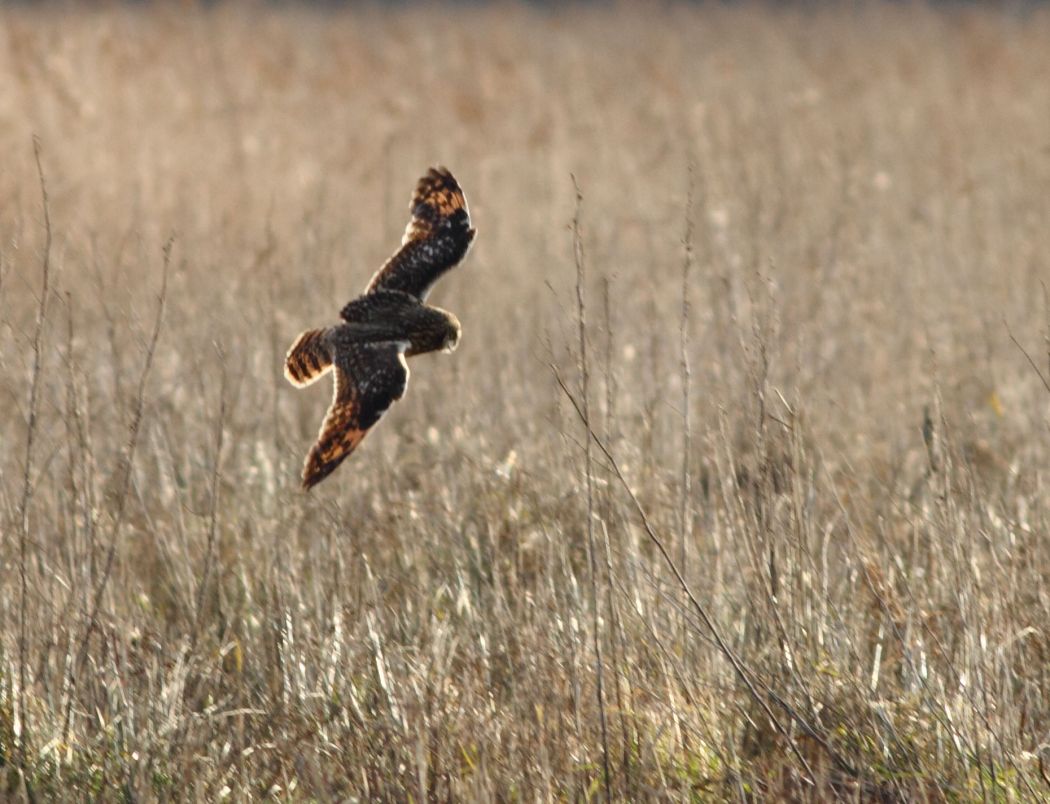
(865, 536)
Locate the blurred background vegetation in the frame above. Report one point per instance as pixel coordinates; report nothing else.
(804, 556)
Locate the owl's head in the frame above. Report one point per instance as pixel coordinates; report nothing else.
(452, 332)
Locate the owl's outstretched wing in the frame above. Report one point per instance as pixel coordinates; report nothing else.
(437, 237)
(369, 377)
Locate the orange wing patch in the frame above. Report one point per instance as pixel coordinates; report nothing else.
(340, 434)
(437, 196)
(436, 239)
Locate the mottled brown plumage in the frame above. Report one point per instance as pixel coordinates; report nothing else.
(386, 324)
(437, 237)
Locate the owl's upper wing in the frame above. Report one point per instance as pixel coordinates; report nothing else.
(369, 377)
(437, 237)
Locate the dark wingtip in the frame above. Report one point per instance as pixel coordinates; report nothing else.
(311, 479)
(443, 175)
(314, 473)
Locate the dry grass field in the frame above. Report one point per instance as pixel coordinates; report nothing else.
(801, 548)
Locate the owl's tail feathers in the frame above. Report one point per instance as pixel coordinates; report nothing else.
(308, 359)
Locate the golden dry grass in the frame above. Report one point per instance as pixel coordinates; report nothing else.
(869, 212)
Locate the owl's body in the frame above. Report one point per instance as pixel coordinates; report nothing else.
(386, 324)
(377, 315)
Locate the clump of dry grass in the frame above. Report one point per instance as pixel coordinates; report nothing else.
(808, 538)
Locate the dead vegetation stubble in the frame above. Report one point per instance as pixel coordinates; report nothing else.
(797, 362)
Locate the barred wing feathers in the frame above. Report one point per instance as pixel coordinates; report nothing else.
(309, 359)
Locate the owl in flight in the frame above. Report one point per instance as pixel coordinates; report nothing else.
(387, 323)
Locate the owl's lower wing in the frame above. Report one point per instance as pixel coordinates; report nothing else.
(369, 377)
(437, 237)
